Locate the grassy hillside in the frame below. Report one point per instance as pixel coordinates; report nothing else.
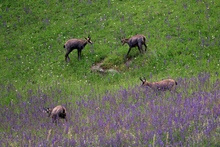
(109, 109)
(183, 40)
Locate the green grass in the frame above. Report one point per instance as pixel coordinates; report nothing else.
(183, 41)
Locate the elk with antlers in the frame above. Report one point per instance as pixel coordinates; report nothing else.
(78, 44)
(56, 113)
(137, 40)
(167, 84)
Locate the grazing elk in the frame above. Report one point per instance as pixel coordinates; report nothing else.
(167, 84)
(137, 40)
(56, 113)
(78, 44)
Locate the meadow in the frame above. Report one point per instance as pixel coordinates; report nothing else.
(109, 109)
(127, 117)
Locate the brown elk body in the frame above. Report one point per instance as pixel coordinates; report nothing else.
(167, 84)
(58, 112)
(137, 40)
(78, 44)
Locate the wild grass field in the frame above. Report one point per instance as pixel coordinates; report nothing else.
(109, 109)
(133, 116)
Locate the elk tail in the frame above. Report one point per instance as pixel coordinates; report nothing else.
(64, 111)
(144, 39)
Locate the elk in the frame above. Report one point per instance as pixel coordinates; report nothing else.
(137, 40)
(166, 84)
(56, 113)
(78, 44)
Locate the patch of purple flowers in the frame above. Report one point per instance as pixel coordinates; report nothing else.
(129, 117)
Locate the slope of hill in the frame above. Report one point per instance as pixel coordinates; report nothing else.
(109, 109)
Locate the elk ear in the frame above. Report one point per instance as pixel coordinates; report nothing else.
(141, 79)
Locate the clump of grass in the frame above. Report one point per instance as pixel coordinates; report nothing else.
(113, 61)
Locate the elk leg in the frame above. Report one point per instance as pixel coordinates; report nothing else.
(67, 55)
(54, 119)
(140, 48)
(129, 51)
(79, 54)
(145, 47)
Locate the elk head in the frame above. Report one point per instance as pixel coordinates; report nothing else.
(88, 39)
(123, 41)
(47, 110)
(143, 81)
